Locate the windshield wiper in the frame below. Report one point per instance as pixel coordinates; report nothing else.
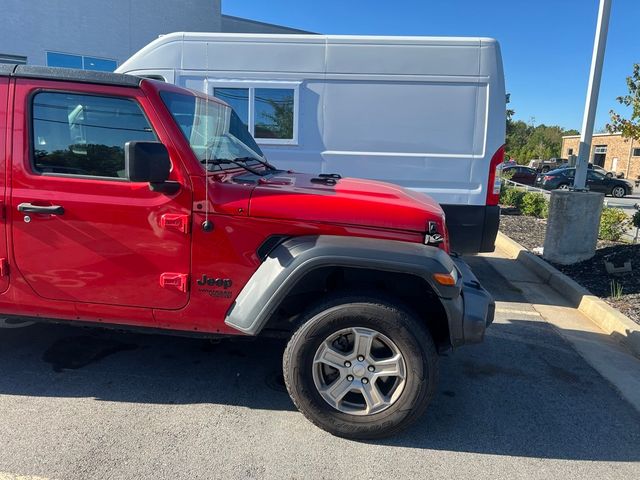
(228, 161)
(263, 162)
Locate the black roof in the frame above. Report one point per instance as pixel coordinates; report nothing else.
(69, 75)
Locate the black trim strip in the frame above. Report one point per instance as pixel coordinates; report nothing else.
(69, 75)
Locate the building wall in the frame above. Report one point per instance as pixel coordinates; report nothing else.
(231, 24)
(617, 147)
(113, 29)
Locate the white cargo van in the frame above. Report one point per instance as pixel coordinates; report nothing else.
(426, 113)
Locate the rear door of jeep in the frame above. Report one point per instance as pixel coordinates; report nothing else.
(81, 230)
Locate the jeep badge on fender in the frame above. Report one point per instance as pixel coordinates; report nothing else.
(215, 282)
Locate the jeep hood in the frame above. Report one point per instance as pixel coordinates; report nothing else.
(348, 201)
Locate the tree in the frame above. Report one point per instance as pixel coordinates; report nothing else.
(510, 112)
(279, 120)
(630, 128)
(526, 141)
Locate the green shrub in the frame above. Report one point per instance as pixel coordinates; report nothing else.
(635, 220)
(544, 213)
(535, 205)
(512, 197)
(506, 175)
(613, 224)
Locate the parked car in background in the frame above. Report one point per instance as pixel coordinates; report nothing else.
(507, 163)
(545, 166)
(562, 178)
(520, 174)
(599, 169)
(596, 168)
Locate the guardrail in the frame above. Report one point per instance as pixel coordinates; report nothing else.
(528, 188)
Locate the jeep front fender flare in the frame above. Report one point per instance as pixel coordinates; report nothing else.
(294, 258)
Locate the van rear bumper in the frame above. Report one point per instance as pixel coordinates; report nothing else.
(472, 228)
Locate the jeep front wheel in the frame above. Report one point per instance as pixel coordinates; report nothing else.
(361, 368)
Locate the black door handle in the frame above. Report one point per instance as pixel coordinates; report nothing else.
(50, 210)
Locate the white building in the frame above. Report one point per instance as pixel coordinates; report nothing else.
(102, 34)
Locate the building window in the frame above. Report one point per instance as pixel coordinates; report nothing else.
(84, 134)
(600, 149)
(571, 151)
(13, 59)
(635, 152)
(268, 110)
(66, 60)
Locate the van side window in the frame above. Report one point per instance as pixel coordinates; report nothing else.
(85, 134)
(274, 113)
(238, 99)
(268, 113)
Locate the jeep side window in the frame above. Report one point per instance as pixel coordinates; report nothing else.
(84, 134)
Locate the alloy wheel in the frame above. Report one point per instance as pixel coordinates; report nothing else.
(618, 192)
(359, 371)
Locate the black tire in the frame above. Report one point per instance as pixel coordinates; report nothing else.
(390, 319)
(563, 186)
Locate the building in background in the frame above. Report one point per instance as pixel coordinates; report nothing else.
(100, 35)
(231, 24)
(610, 151)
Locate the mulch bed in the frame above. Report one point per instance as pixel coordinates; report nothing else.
(591, 274)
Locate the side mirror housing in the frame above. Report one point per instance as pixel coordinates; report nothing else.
(149, 162)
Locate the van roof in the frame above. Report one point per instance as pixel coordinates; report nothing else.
(241, 53)
(284, 37)
(69, 74)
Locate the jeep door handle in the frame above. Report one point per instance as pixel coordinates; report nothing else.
(50, 209)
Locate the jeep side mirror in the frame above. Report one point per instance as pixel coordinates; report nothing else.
(149, 162)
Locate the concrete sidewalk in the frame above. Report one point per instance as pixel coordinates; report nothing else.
(530, 294)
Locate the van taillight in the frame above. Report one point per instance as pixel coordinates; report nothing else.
(494, 183)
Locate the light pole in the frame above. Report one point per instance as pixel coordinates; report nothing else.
(574, 216)
(584, 151)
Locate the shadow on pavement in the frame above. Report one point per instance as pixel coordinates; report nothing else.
(524, 392)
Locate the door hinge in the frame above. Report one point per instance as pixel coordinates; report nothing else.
(4, 267)
(175, 221)
(179, 281)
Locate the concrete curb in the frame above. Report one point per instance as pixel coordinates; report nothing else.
(598, 311)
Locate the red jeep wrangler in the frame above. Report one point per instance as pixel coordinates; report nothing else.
(130, 202)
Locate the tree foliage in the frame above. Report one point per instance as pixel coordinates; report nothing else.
(630, 127)
(279, 122)
(525, 142)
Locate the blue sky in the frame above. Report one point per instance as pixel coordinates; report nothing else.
(546, 44)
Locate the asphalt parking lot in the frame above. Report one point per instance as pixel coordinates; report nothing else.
(80, 403)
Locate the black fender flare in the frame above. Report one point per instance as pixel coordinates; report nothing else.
(290, 261)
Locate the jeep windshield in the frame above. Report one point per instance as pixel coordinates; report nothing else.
(214, 131)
